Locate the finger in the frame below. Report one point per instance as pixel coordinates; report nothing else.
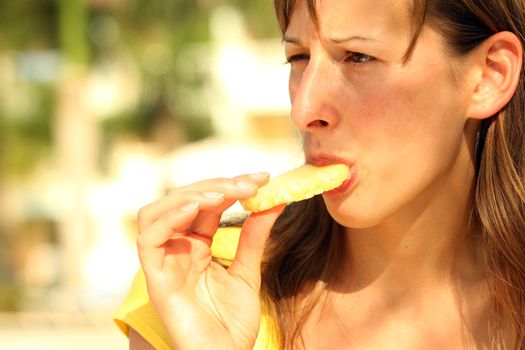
(208, 221)
(150, 213)
(223, 184)
(215, 196)
(158, 233)
(254, 234)
(240, 187)
(211, 184)
(258, 178)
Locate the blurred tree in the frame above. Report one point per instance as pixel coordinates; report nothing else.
(159, 33)
(40, 110)
(73, 22)
(26, 26)
(156, 33)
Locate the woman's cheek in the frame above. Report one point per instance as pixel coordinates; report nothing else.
(387, 177)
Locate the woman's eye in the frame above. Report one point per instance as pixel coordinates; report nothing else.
(356, 57)
(297, 58)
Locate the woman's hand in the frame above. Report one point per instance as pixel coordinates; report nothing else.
(202, 304)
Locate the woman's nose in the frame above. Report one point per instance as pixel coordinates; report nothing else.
(313, 95)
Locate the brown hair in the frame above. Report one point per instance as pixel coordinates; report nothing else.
(303, 249)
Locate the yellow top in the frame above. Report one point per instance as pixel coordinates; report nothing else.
(138, 312)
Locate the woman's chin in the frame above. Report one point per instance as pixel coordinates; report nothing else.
(353, 216)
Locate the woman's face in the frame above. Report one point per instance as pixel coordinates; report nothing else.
(401, 125)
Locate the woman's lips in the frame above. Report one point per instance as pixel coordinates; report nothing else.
(342, 188)
(348, 183)
(323, 160)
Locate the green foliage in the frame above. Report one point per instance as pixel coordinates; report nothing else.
(155, 33)
(260, 18)
(10, 291)
(28, 24)
(73, 19)
(27, 139)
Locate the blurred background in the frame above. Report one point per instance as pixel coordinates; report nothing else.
(105, 105)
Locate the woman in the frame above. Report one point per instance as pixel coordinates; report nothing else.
(424, 247)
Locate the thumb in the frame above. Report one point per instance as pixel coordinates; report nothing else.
(254, 234)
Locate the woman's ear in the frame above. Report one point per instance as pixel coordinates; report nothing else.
(500, 59)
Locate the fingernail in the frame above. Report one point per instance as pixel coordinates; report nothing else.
(213, 195)
(259, 176)
(189, 207)
(248, 186)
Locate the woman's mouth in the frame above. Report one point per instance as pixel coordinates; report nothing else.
(323, 160)
(348, 183)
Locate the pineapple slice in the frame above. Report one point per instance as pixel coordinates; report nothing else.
(297, 185)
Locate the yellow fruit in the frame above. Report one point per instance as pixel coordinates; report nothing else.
(297, 185)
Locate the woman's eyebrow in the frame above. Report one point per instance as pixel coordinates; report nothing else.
(353, 38)
(291, 40)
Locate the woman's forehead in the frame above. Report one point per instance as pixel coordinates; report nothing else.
(339, 19)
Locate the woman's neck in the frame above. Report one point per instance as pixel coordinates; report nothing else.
(415, 279)
(422, 246)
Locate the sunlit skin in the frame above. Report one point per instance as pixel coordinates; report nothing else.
(411, 277)
(404, 126)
